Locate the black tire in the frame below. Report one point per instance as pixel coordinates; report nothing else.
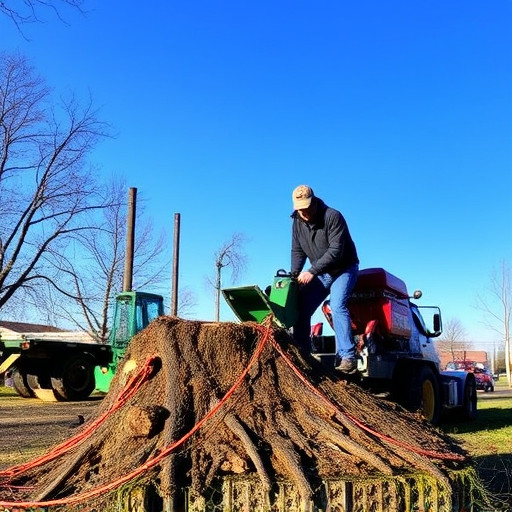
(488, 387)
(40, 380)
(469, 406)
(74, 378)
(417, 389)
(20, 384)
(40, 385)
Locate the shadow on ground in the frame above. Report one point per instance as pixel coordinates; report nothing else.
(493, 418)
(495, 470)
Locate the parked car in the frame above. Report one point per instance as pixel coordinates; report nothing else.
(484, 378)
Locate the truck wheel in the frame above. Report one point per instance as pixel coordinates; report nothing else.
(470, 398)
(488, 387)
(20, 384)
(417, 389)
(429, 399)
(39, 383)
(74, 378)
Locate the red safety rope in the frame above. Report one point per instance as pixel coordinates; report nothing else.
(164, 453)
(316, 391)
(130, 388)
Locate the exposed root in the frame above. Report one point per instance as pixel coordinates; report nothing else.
(288, 456)
(328, 433)
(424, 465)
(237, 428)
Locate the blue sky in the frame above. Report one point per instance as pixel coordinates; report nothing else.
(398, 113)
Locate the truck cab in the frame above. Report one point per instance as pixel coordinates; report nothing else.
(133, 312)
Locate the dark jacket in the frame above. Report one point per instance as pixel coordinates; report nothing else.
(325, 241)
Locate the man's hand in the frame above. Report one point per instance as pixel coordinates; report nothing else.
(305, 277)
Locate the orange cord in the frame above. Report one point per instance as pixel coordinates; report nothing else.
(336, 408)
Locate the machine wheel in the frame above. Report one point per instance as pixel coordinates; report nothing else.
(74, 379)
(469, 406)
(488, 387)
(20, 384)
(430, 403)
(417, 389)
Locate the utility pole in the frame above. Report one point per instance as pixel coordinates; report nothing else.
(130, 240)
(175, 265)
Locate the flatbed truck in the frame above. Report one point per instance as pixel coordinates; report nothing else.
(64, 366)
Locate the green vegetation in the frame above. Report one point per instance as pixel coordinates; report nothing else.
(7, 392)
(489, 440)
(491, 431)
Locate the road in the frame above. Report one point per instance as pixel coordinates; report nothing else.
(500, 391)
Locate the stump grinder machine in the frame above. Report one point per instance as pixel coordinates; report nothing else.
(395, 344)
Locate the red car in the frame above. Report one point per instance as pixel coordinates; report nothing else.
(483, 377)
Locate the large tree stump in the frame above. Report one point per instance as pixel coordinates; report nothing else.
(285, 417)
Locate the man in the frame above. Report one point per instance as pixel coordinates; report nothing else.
(320, 234)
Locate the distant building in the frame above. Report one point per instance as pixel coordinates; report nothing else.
(12, 330)
(477, 356)
(21, 327)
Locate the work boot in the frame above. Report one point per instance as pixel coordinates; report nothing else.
(347, 366)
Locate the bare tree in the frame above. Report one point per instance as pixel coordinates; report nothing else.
(229, 255)
(93, 266)
(453, 339)
(497, 307)
(187, 302)
(47, 192)
(23, 12)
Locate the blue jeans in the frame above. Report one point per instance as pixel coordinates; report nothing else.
(312, 295)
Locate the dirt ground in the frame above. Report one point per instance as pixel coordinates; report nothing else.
(29, 426)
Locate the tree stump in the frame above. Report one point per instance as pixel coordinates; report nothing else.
(227, 399)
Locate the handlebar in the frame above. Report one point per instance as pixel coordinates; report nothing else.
(284, 273)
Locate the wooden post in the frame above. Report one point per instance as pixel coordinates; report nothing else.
(130, 238)
(175, 265)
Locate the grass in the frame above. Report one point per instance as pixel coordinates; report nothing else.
(29, 427)
(489, 441)
(7, 392)
(491, 431)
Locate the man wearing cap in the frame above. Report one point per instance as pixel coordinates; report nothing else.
(320, 234)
